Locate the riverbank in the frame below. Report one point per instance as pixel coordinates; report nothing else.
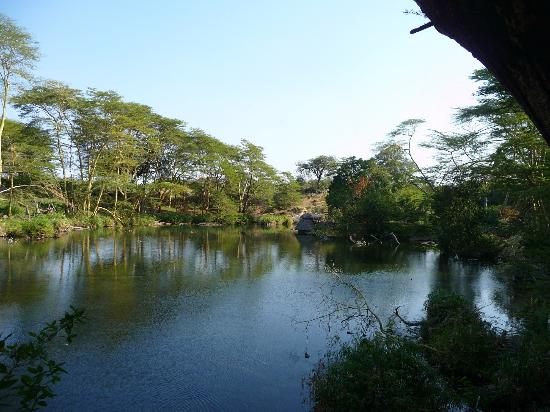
(452, 359)
(52, 225)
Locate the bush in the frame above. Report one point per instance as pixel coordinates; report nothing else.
(142, 221)
(94, 222)
(15, 209)
(229, 216)
(38, 227)
(173, 218)
(464, 222)
(274, 220)
(464, 344)
(456, 359)
(203, 218)
(381, 374)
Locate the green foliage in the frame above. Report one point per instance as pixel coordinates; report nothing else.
(173, 218)
(123, 159)
(318, 167)
(287, 193)
(93, 222)
(142, 221)
(377, 195)
(457, 360)
(228, 211)
(91, 152)
(18, 51)
(27, 373)
(378, 374)
(5, 208)
(464, 344)
(38, 227)
(504, 154)
(274, 220)
(350, 174)
(464, 222)
(203, 218)
(487, 198)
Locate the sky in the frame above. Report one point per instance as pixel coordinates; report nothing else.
(300, 78)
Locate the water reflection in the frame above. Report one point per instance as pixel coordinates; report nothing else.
(208, 313)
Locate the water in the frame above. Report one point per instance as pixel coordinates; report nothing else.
(210, 319)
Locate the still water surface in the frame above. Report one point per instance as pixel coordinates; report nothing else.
(209, 319)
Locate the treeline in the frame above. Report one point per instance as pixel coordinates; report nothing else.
(90, 153)
(487, 197)
(97, 153)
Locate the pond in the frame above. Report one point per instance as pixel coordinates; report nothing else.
(189, 318)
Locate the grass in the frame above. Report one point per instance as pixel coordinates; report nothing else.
(272, 220)
(40, 226)
(49, 225)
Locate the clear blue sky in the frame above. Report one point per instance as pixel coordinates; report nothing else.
(298, 77)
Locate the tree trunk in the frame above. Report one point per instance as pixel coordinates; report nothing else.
(11, 195)
(3, 122)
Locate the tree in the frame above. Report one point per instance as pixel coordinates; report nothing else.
(347, 182)
(287, 192)
(495, 176)
(54, 107)
(254, 177)
(319, 167)
(27, 162)
(17, 55)
(407, 129)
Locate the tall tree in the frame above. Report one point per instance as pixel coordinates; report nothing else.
(27, 163)
(254, 178)
(18, 53)
(54, 107)
(319, 167)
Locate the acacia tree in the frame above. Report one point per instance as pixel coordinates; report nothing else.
(407, 129)
(54, 106)
(18, 53)
(27, 164)
(254, 177)
(319, 167)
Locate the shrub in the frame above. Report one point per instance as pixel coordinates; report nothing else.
(464, 344)
(15, 209)
(38, 227)
(173, 218)
(456, 360)
(203, 218)
(142, 221)
(274, 220)
(94, 222)
(386, 373)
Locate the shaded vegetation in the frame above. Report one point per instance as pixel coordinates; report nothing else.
(453, 359)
